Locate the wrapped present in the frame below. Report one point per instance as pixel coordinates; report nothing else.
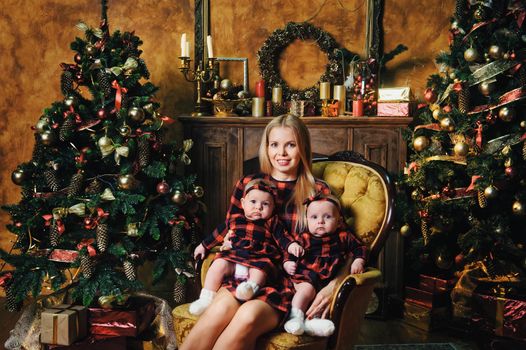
(130, 320)
(395, 109)
(395, 94)
(435, 284)
(425, 318)
(63, 324)
(427, 299)
(504, 316)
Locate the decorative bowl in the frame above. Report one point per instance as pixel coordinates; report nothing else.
(225, 108)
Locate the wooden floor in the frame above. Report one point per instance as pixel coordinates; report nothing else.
(393, 331)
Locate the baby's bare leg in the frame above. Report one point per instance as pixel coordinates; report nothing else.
(214, 276)
(257, 276)
(305, 293)
(246, 290)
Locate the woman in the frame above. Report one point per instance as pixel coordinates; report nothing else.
(285, 158)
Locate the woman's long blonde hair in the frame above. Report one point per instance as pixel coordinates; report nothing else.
(305, 184)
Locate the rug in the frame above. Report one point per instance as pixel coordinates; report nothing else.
(421, 346)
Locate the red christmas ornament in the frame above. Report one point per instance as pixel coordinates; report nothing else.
(163, 187)
(88, 222)
(77, 58)
(509, 171)
(79, 77)
(102, 114)
(447, 109)
(430, 95)
(513, 56)
(459, 259)
(156, 146)
(491, 118)
(18, 224)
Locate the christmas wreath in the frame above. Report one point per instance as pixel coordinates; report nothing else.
(269, 54)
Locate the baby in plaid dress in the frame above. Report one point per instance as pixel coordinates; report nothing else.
(327, 245)
(257, 239)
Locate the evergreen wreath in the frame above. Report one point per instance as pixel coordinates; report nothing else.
(269, 54)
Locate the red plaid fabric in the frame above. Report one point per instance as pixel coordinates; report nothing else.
(278, 291)
(325, 255)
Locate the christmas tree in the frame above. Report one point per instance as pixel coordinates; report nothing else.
(465, 182)
(101, 194)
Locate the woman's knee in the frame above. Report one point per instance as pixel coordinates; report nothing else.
(256, 318)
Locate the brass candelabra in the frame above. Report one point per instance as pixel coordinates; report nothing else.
(199, 76)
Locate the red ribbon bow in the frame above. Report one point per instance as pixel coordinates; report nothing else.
(88, 244)
(180, 220)
(478, 138)
(321, 197)
(4, 280)
(59, 223)
(119, 93)
(101, 214)
(471, 186)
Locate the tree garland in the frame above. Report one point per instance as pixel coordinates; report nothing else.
(269, 54)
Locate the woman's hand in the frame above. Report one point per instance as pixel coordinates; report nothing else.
(321, 303)
(358, 266)
(295, 249)
(199, 252)
(290, 267)
(227, 243)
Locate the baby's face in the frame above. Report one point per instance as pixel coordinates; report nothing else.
(322, 218)
(257, 205)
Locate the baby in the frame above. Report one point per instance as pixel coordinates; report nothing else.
(257, 239)
(327, 244)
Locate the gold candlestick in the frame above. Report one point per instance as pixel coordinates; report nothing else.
(198, 75)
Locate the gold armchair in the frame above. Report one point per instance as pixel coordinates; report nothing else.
(367, 196)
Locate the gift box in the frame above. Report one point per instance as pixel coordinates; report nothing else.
(63, 324)
(112, 343)
(130, 320)
(427, 299)
(504, 316)
(425, 318)
(395, 109)
(395, 94)
(435, 284)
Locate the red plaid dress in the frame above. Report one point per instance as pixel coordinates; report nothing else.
(278, 291)
(325, 255)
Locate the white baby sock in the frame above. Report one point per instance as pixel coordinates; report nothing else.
(295, 324)
(319, 327)
(246, 290)
(204, 301)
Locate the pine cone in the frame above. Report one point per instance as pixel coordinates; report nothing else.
(144, 152)
(94, 187)
(52, 179)
(129, 270)
(460, 7)
(425, 231)
(75, 185)
(179, 291)
(66, 82)
(177, 237)
(66, 129)
(463, 100)
(10, 303)
(483, 202)
(104, 83)
(86, 266)
(103, 238)
(524, 150)
(54, 235)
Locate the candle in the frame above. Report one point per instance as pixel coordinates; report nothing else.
(183, 45)
(357, 108)
(260, 88)
(187, 49)
(325, 90)
(277, 94)
(258, 104)
(339, 94)
(209, 46)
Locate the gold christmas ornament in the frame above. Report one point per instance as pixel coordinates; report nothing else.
(125, 130)
(90, 50)
(225, 84)
(495, 52)
(199, 191)
(523, 124)
(132, 229)
(471, 54)
(517, 208)
(490, 192)
(506, 114)
(18, 176)
(461, 149)
(416, 195)
(508, 162)
(443, 262)
(104, 141)
(506, 150)
(126, 182)
(436, 114)
(486, 87)
(447, 124)
(420, 143)
(405, 230)
(179, 197)
(48, 137)
(136, 114)
(42, 125)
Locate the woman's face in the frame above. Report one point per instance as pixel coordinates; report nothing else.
(283, 153)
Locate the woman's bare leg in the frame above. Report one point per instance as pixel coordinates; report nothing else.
(210, 325)
(253, 319)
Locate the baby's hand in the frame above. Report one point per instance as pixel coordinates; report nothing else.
(290, 267)
(295, 249)
(199, 252)
(358, 266)
(227, 243)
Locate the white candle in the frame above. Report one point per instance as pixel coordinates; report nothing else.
(209, 46)
(187, 49)
(183, 44)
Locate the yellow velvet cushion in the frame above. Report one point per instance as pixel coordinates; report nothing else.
(361, 194)
(184, 321)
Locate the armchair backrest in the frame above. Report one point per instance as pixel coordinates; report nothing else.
(366, 193)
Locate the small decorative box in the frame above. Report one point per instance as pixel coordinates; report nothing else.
(435, 284)
(427, 299)
(395, 94)
(425, 318)
(395, 109)
(63, 324)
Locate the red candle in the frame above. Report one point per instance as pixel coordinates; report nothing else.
(260, 88)
(357, 108)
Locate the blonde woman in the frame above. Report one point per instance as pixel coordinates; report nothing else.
(285, 159)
